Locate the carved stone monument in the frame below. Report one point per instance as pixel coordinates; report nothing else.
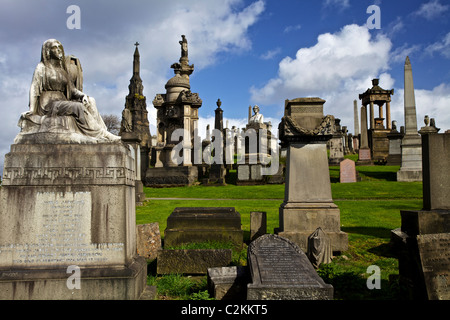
(423, 241)
(135, 124)
(177, 116)
(281, 271)
(308, 203)
(378, 142)
(254, 149)
(67, 203)
(411, 168)
(395, 142)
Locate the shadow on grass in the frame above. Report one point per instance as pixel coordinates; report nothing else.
(380, 175)
(349, 285)
(378, 232)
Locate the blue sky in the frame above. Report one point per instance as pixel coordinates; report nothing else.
(245, 52)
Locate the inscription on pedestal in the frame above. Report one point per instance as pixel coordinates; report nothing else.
(434, 251)
(61, 234)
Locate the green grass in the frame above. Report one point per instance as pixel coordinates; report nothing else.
(370, 209)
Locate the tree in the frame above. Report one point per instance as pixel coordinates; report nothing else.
(112, 123)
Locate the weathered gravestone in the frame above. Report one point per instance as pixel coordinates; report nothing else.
(347, 172)
(194, 261)
(203, 224)
(148, 240)
(280, 270)
(228, 283)
(258, 224)
(423, 241)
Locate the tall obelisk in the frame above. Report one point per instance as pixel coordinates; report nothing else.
(411, 168)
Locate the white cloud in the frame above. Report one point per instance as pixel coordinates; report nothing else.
(338, 3)
(292, 28)
(442, 47)
(337, 68)
(270, 54)
(431, 10)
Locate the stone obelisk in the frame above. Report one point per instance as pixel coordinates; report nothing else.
(411, 168)
(355, 118)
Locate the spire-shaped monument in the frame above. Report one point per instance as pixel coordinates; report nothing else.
(135, 125)
(411, 168)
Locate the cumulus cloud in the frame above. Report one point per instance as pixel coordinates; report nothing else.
(336, 68)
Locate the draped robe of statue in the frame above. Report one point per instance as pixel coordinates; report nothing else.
(57, 106)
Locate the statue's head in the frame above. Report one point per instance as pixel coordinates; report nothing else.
(52, 50)
(255, 109)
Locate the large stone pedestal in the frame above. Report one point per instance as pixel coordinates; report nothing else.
(171, 176)
(411, 168)
(308, 201)
(67, 207)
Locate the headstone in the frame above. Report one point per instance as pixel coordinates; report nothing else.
(258, 224)
(434, 252)
(228, 283)
(423, 240)
(308, 203)
(281, 271)
(319, 248)
(395, 143)
(203, 224)
(347, 172)
(148, 240)
(411, 167)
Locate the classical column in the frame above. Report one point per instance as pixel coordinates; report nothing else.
(355, 118)
(372, 118)
(388, 115)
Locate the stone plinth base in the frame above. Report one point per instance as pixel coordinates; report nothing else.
(171, 176)
(422, 247)
(67, 205)
(186, 225)
(405, 175)
(120, 283)
(195, 261)
(258, 292)
(299, 221)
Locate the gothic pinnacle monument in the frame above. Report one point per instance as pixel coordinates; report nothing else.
(411, 168)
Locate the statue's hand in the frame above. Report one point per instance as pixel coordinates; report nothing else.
(85, 100)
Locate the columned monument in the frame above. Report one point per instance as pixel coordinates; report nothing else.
(67, 203)
(308, 203)
(377, 134)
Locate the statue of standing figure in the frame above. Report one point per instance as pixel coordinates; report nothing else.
(57, 105)
(184, 46)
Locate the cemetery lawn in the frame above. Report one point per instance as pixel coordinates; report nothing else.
(370, 209)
